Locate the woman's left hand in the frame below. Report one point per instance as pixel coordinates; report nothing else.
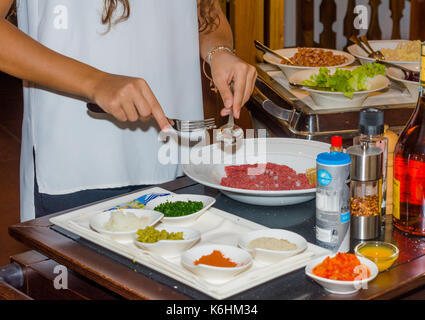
(227, 68)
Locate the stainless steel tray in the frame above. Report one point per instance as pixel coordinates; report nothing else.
(273, 107)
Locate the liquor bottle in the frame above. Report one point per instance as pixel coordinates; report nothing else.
(409, 168)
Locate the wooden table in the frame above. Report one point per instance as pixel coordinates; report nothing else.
(118, 279)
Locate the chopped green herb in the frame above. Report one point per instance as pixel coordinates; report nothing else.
(179, 208)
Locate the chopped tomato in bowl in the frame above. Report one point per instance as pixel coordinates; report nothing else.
(342, 273)
(342, 267)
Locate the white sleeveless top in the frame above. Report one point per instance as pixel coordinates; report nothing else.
(75, 151)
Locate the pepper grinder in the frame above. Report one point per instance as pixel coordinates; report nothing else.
(365, 190)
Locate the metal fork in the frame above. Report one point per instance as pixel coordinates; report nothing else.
(192, 126)
(176, 124)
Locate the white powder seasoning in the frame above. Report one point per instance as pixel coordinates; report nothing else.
(272, 244)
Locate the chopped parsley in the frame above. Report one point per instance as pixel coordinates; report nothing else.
(179, 208)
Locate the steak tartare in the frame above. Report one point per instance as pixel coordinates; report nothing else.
(265, 177)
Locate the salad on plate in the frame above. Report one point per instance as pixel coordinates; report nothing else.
(346, 81)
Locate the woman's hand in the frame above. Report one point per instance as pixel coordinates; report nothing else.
(227, 68)
(128, 99)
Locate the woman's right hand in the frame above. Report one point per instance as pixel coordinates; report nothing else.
(128, 99)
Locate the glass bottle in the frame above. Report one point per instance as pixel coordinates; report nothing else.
(409, 169)
(372, 130)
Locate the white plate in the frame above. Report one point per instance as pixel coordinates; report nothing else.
(295, 153)
(271, 256)
(360, 54)
(239, 256)
(334, 99)
(398, 76)
(207, 202)
(290, 52)
(171, 248)
(98, 221)
(342, 287)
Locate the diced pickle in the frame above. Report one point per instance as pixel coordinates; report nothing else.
(152, 235)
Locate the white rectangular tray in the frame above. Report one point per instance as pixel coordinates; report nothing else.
(216, 226)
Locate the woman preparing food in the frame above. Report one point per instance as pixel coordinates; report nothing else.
(137, 60)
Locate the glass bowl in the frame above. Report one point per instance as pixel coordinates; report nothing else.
(383, 254)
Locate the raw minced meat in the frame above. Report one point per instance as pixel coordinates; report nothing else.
(266, 177)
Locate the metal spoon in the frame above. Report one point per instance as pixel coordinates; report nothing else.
(375, 54)
(230, 133)
(357, 41)
(263, 48)
(299, 85)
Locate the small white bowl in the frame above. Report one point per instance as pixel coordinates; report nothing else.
(271, 256)
(207, 202)
(172, 248)
(289, 70)
(338, 99)
(342, 287)
(398, 76)
(239, 256)
(98, 221)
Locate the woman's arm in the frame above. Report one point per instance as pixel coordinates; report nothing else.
(126, 98)
(226, 67)
(5, 6)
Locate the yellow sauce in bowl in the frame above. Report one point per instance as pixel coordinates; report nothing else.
(382, 254)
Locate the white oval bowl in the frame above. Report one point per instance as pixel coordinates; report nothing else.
(208, 202)
(360, 54)
(237, 255)
(171, 248)
(342, 287)
(271, 256)
(337, 99)
(398, 76)
(290, 52)
(297, 153)
(98, 221)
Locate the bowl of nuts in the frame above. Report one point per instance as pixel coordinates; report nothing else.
(309, 58)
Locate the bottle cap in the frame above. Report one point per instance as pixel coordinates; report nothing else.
(366, 162)
(336, 141)
(371, 122)
(334, 159)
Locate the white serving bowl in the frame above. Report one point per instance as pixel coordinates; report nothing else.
(360, 54)
(98, 221)
(171, 248)
(342, 287)
(397, 75)
(271, 256)
(239, 256)
(338, 99)
(297, 153)
(289, 70)
(207, 202)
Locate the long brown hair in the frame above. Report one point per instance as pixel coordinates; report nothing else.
(208, 13)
